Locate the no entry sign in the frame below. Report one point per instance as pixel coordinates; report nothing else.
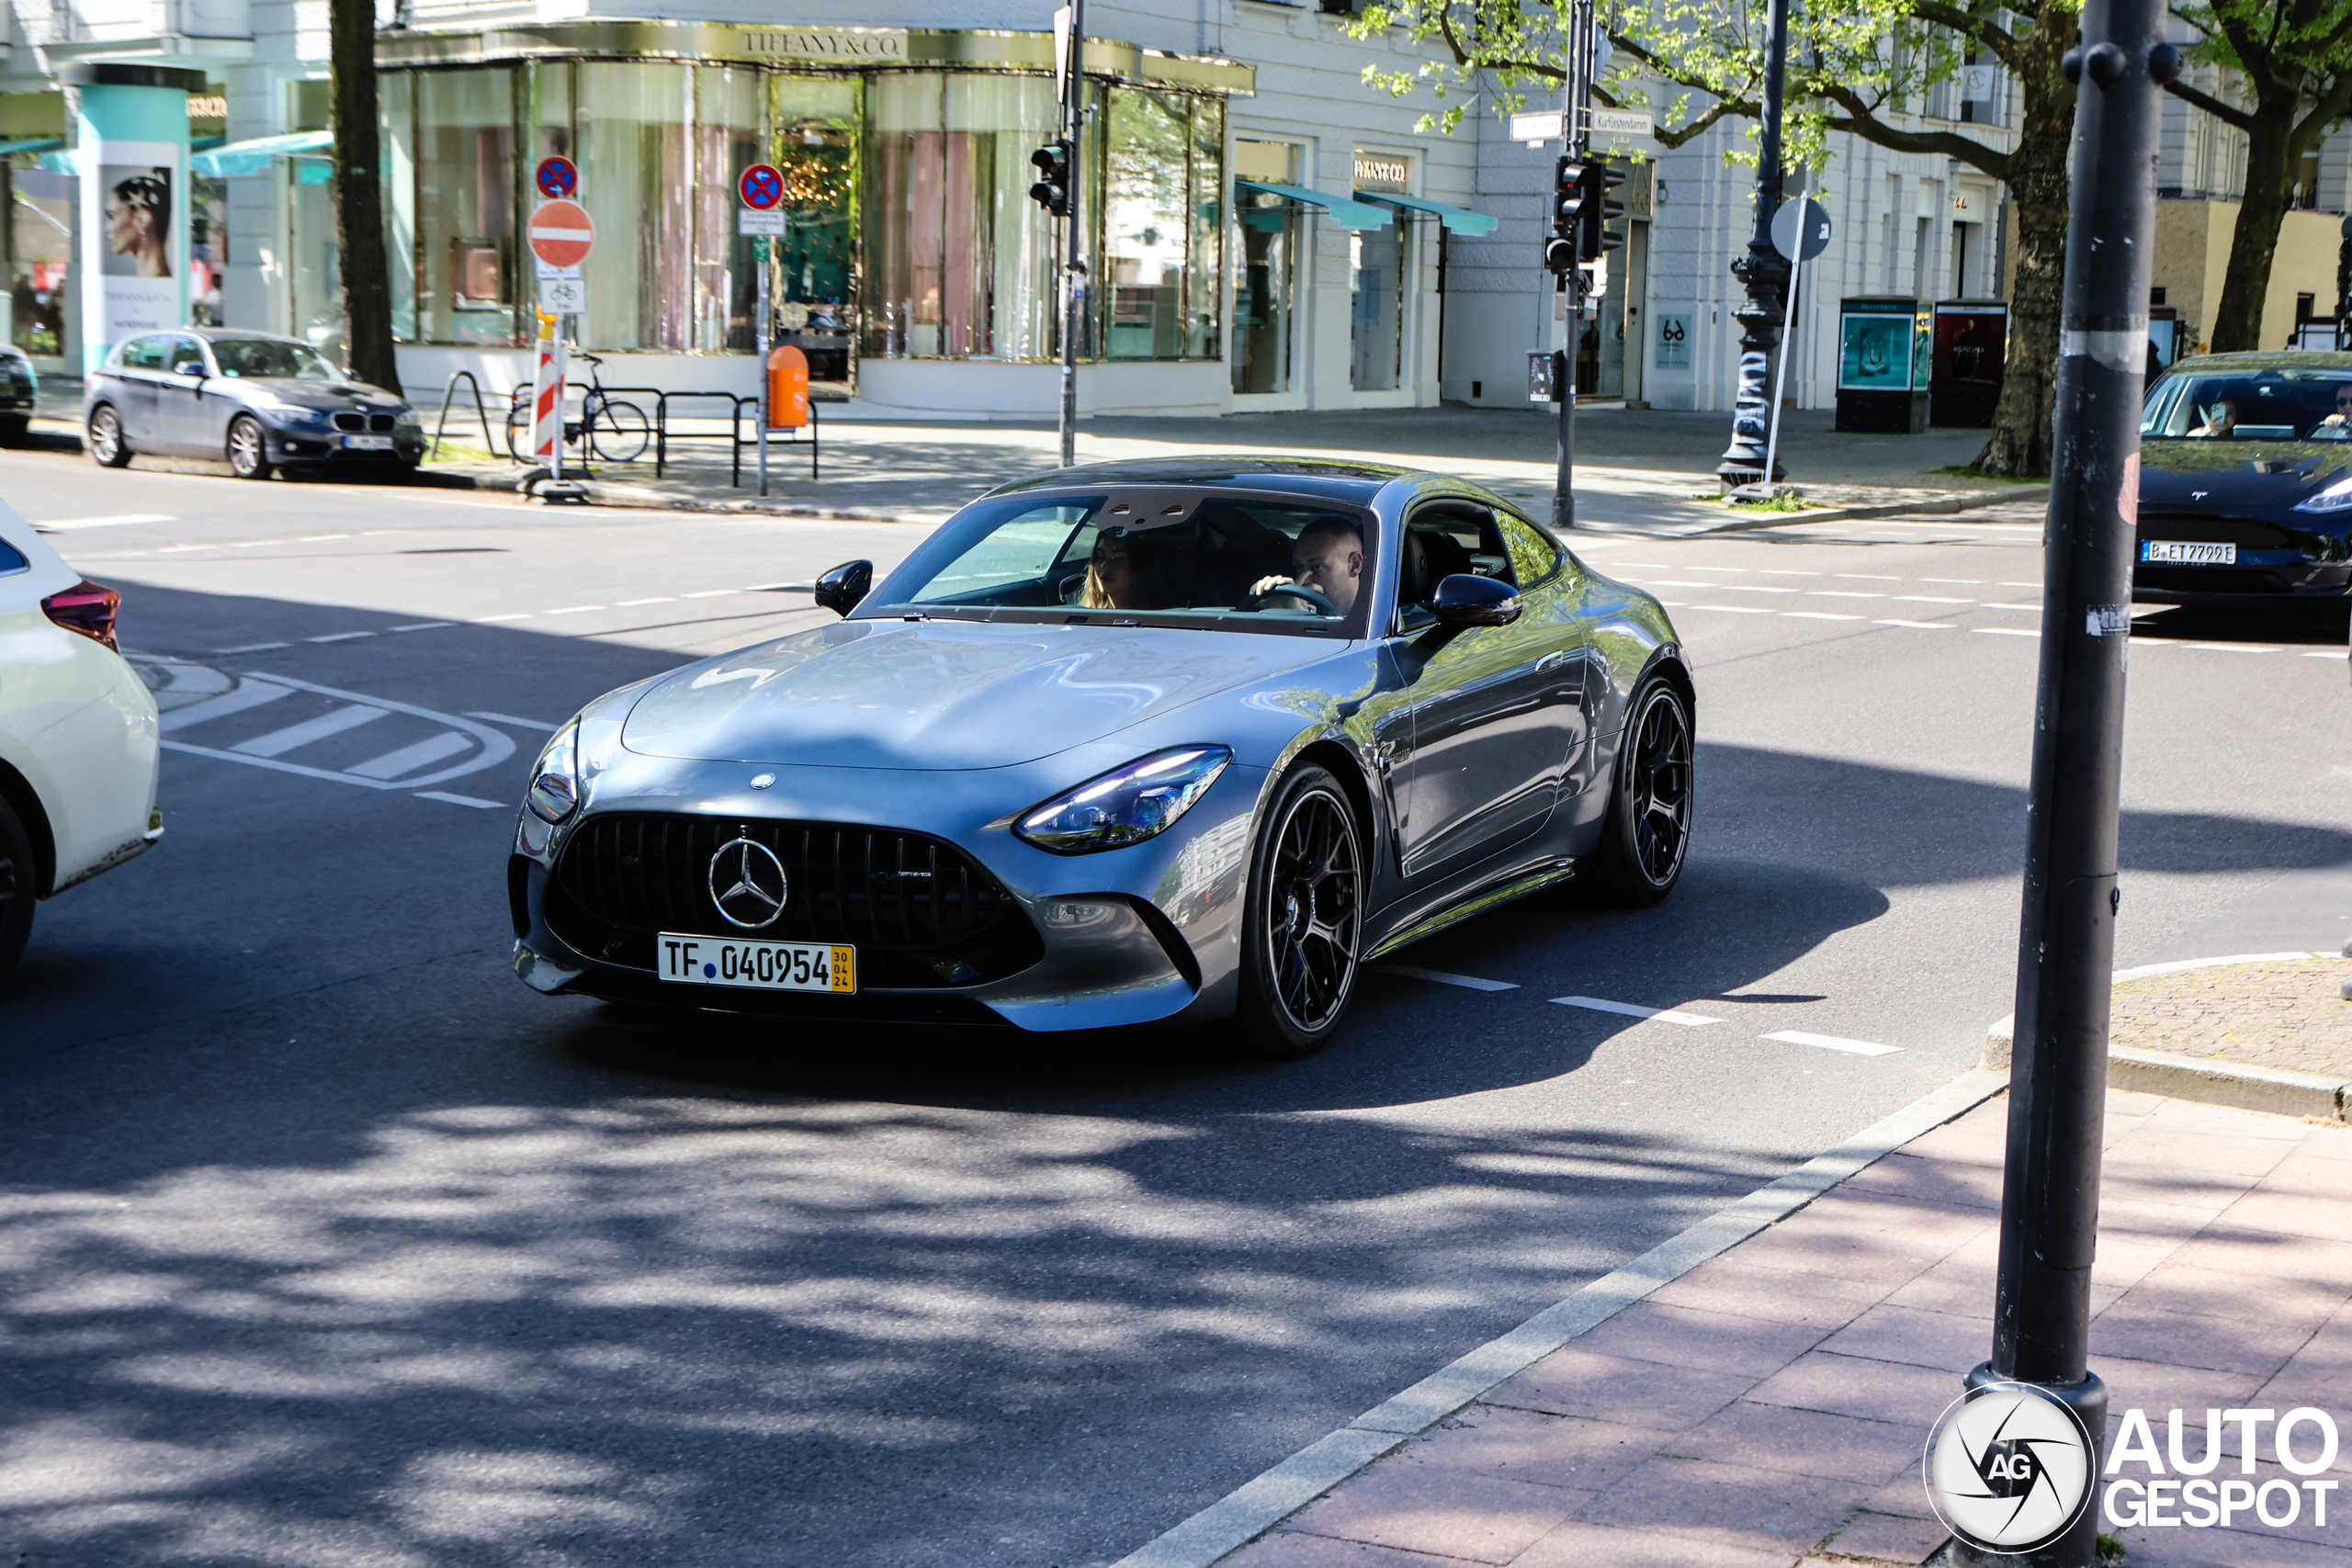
(561, 234)
(761, 186)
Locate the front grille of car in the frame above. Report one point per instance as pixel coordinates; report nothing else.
(918, 910)
(351, 422)
(381, 423)
(2210, 580)
(2245, 532)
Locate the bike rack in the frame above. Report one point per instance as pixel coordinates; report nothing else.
(489, 442)
(795, 432)
(662, 438)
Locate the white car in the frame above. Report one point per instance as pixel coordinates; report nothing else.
(78, 735)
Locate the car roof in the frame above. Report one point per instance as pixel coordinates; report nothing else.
(1331, 479)
(2254, 360)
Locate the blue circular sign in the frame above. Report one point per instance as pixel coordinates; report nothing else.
(558, 177)
(761, 186)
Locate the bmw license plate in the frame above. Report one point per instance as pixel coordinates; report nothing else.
(366, 443)
(2180, 552)
(763, 966)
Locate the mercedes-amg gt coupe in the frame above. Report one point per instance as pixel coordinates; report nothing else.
(1130, 743)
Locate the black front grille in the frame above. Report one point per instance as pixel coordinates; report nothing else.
(2210, 579)
(351, 422)
(919, 911)
(2245, 532)
(381, 423)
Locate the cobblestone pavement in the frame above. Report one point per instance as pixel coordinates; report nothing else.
(2290, 1014)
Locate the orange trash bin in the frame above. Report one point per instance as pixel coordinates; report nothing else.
(788, 387)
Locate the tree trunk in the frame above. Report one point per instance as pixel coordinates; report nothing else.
(359, 194)
(2018, 447)
(2270, 159)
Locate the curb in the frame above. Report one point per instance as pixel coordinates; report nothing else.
(2207, 1080)
(1959, 500)
(1259, 1505)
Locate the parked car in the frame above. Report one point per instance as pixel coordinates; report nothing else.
(78, 735)
(19, 390)
(1130, 743)
(254, 399)
(2246, 480)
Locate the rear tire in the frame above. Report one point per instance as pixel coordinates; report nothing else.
(1302, 931)
(1646, 835)
(248, 448)
(107, 448)
(18, 884)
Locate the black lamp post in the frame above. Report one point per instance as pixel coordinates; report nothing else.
(1765, 273)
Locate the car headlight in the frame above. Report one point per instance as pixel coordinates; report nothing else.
(292, 414)
(1126, 805)
(2335, 498)
(554, 793)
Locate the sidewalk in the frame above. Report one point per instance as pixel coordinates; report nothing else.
(1769, 1407)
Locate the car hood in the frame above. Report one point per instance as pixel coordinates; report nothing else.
(328, 395)
(942, 694)
(2209, 476)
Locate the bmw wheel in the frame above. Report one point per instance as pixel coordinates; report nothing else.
(17, 878)
(108, 447)
(1303, 930)
(1647, 834)
(248, 454)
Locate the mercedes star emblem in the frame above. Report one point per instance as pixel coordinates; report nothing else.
(747, 883)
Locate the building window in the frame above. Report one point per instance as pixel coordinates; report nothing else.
(1265, 244)
(1162, 185)
(814, 135)
(464, 207)
(1376, 268)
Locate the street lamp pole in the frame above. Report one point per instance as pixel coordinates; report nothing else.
(2067, 946)
(1073, 227)
(1576, 139)
(1766, 275)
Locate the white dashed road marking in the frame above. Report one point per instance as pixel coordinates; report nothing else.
(279, 741)
(1468, 982)
(2005, 631)
(478, 804)
(1834, 1043)
(518, 723)
(468, 746)
(1656, 1015)
(67, 525)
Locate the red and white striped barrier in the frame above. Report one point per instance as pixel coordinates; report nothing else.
(546, 424)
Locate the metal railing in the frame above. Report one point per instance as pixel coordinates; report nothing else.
(489, 442)
(738, 441)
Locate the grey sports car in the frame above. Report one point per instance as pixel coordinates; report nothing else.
(1121, 744)
(253, 399)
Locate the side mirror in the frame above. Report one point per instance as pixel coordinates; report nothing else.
(841, 589)
(1467, 601)
(189, 367)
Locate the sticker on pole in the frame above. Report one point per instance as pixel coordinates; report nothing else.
(558, 177)
(761, 186)
(561, 234)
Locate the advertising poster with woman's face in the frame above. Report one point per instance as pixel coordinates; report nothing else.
(131, 197)
(137, 215)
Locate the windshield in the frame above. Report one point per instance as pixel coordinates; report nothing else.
(1166, 554)
(261, 356)
(2268, 405)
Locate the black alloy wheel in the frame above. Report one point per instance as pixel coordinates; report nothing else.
(248, 452)
(1303, 930)
(1647, 832)
(107, 448)
(17, 887)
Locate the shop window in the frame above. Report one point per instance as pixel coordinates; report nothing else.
(1376, 268)
(1265, 241)
(1163, 176)
(962, 262)
(814, 144)
(465, 270)
(43, 206)
(632, 123)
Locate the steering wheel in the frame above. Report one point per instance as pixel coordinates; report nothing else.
(1298, 591)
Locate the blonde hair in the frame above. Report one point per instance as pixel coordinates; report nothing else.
(1095, 596)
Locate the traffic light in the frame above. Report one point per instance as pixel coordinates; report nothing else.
(1567, 206)
(1052, 190)
(1595, 208)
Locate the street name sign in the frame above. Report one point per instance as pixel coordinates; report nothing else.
(1623, 122)
(1535, 126)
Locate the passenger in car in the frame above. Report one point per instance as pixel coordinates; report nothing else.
(2220, 420)
(1129, 571)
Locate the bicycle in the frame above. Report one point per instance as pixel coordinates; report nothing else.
(614, 429)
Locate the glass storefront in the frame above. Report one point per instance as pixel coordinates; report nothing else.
(1264, 268)
(910, 230)
(1376, 287)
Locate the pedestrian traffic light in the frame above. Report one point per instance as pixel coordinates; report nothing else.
(1568, 191)
(1052, 190)
(1595, 208)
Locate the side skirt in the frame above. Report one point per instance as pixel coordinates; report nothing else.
(1476, 901)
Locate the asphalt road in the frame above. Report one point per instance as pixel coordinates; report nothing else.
(325, 1241)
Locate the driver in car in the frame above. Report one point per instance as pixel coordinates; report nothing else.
(1327, 558)
(2220, 420)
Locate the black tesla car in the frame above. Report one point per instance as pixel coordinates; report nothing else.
(2246, 480)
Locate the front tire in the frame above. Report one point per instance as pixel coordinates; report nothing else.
(619, 432)
(248, 449)
(1646, 835)
(107, 448)
(1303, 928)
(18, 884)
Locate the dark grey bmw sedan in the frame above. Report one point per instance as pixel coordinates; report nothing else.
(253, 399)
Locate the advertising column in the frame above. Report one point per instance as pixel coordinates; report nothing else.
(130, 145)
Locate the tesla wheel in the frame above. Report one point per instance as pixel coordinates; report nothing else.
(1647, 831)
(248, 455)
(619, 432)
(107, 448)
(1303, 930)
(16, 888)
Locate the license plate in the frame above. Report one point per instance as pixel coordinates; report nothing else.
(2180, 552)
(366, 443)
(763, 966)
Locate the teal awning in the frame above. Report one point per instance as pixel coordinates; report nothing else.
(1459, 218)
(243, 158)
(32, 144)
(1346, 214)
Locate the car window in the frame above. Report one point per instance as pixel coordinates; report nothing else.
(145, 354)
(1533, 558)
(1201, 553)
(2265, 405)
(185, 349)
(267, 356)
(11, 562)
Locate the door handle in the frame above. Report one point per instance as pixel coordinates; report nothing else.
(1552, 659)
